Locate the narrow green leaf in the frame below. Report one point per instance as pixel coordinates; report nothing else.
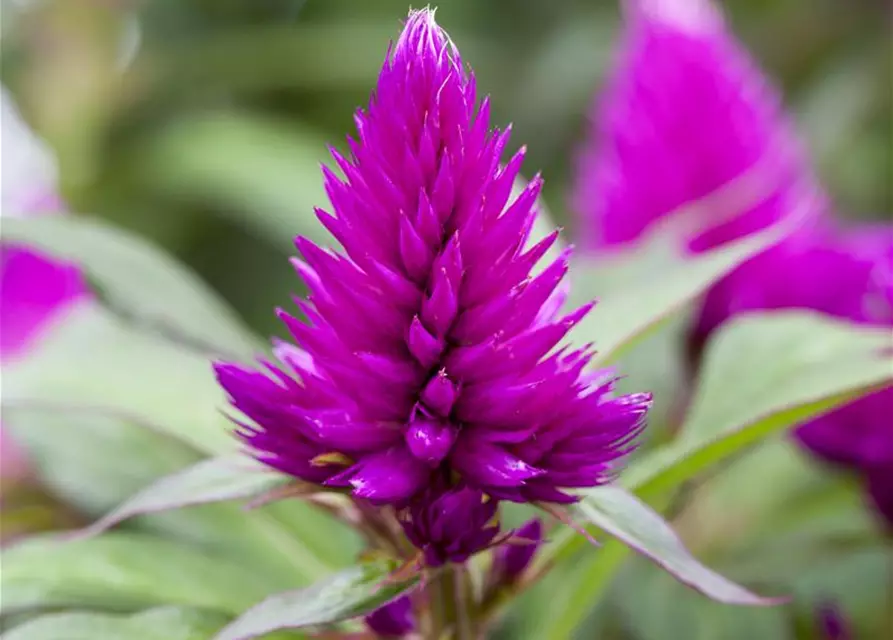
(788, 505)
(91, 365)
(92, 362)
(92, 462)
(211, 480)
(124, 572)
(348, 594)
(583, 590)
(783, 359)
(163, 623)
(631, 303)
(95, 463)
(138, 279)
(624, 517)
(788, 367)
(640, 286)
(655, 607)
(636, 527)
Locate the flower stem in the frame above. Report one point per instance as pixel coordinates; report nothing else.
(451, 604)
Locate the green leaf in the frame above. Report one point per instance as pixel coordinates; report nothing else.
(636, 526)
(789, 509)
(163, 623)
(92, 362)
(626, 312)
(92, 366)
(640, 287)
(816, 364)
(124, 572)
(211, 480)
(787, 367)
(655, 607)
(583, 589)
(780, 360)
(138, 280)
(348, 594)
(624, 517)
(94, 463)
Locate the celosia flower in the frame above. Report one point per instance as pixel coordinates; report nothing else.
(685, 113)
(34, 289)
(430, 349)
(450, 525)
(394, 620)
(511, 559)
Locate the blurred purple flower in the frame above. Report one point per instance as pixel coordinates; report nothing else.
(848, 276)
(832, 624)
(880, 487)
(394, 620)
(685, 112)
(33, 288)
(430, 349)
(512, 558)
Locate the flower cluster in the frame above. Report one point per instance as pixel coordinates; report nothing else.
(429, 361)
(687, 112)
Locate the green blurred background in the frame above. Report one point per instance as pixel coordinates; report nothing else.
(201, 123)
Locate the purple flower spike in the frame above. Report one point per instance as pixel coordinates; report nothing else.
(451, 525)
(686, 112)
(512, 558)
(428, 337)
(394, 620)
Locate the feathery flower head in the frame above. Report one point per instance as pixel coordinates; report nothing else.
(429, 355)
(451, 525)
(685, 112)
(394, 620)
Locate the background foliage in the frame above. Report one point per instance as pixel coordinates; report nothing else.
(200, 124)
(209, 141)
